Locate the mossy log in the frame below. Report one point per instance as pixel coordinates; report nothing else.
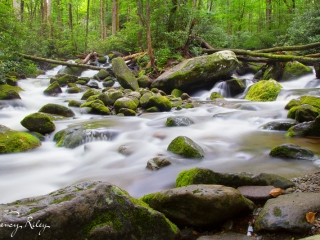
(40, 59)
(290, 48)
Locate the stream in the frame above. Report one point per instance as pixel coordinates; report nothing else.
(232, 139)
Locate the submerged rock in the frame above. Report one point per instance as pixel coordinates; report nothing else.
(89, 210)
(177, 121)
(39, 122)
(57, 109)
(123, 74)
(263, 91)
(288, 213)
(292, 151)
(185, 147)
(198, 72)
(279, 126)
(12, 141)
(199, 205)
(207, 176)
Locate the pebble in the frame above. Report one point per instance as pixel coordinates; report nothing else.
(307, 183)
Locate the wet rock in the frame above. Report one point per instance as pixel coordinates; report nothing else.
(207, 176)
(159, 101)
(292, 151)
(178, 121)
(123, 74)
(292, 103)
(193, 205)
(101, 75)
(63, 79)
(304, 113)
(89, 210)
(236, 86)
(257, 194)
(125, 102)
(311, 100)
(185, 147)
(76, 71)
(72, 137)
(226, 236)
(108, 82)
(127, 112)
(176, 92)
(279, 126)
(185, 96)
(39, 122)
(288, 213)
(127, 149)
(294, 70)
(143, 81)
(8, 92)
(93, 84)
(215, 95)
(90, 92)
(110, 97)
(57, 109)
(157, 163)
(96, 107)
(198, 72)
(264, 91)
(311, 128)
(12, 141)
(53, 89)
(145, 99)
(74, 88)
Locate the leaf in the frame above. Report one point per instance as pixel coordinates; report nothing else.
(311, 216)
(275, 192)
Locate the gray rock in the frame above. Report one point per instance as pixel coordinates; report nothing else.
(157, 163)
(199, 205)
(53, 89)
(311, 128)
(198, 72)
(288, 213)
(226, 236)
(185, 147)
(256, 193)
(89, 210)
(292, 151)
(178, 121)
(278, 126)
(123, 74)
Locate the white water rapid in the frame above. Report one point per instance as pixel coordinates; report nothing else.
(232, 139)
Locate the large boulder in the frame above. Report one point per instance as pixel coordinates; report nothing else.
(89, 210)
(294, 70)
(57, 109)
(207, 176)
(74, 136)
(263, 91)
(311, 128)
(199, 205)
(12, 141)
(198, 72)
(76, 71)
(288, 213)
(39, 122)
(63, 79)
(185, 147)
(304, 113)
(292, 151)
(311, 100)
(123, 74)
(8, 92)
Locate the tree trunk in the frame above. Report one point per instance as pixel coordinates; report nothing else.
(150, 51)
(87, 26)
(103, 33)
(268, 13)
(114, 17)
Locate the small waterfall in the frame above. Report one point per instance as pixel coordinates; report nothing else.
(249, 83)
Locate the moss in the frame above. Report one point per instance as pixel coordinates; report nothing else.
(188, 105)
(92, 98)
(13, 141)
(184, 146)
(215, 95)
(125, 102)
(176, 92)
(63, 199)
(74, 103)
(311, 100)
(292, 103)
(195, 176)
(123, 74)
(263, 91)
(53, 89)
(38, 122)
(295, 70)
(89, 93)
(36, 209)
(277, 212)
(57, 109)
(8, 92)
(159, 101)
(63, 79)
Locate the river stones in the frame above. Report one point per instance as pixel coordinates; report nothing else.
(311, 128)
(101, 75)
(8, 92)
(288, 213)
(198, 72)
(292, 151)
(207, 176)
(176, 92)
(96, 107)
(53, 89)
(89, 93)
(178, 121)
(199, 205)
(125, 102)
(264, 91)
(12, 141)
(157, 163)
(63, 79)
(57, 110)
(143, 81)
(278, 126)
(159, 101)
(74, 136)
(185, 147)
(257, 194)
(215, 95)
(39, 122)
(123, 74)
(304, 113)
(236, 86)
(88, 210)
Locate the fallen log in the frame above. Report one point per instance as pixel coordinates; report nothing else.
(134, 55)
(39, 59)
(289, 48)
(203, 42)
(87, 58)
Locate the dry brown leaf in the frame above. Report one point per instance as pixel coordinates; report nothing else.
(275, 192)
(311, 216)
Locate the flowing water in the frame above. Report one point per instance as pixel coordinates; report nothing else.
(232, 139)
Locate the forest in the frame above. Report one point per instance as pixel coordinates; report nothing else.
(63, 29)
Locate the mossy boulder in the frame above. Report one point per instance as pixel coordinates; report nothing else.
(201, 206)
(96, 107)
(63, 79)
(215, 95)
(53, 89)
(101, 75)
(143, 81)
(311, 128)
(178, 121)
(294, 70)
(108, 82)
(176, 92)
(127, 112)
(74, 103)
(278, 126)
(159, 101)
(74, 136)
(57, 109)
(287, 213)
(303, 113)
(292, 103)
(123, 74)
(292, 151)
(236, 86)
(198, 72)
(12, 141)
(144, 100)
(263, 91)
(311, 100)
(89, 93)
(207, 176)
(97, 210)
(158, 163)
(185, 147)
(8, 92)
(110, 97)
(125, 102)
(38, 122)
(76, 71)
